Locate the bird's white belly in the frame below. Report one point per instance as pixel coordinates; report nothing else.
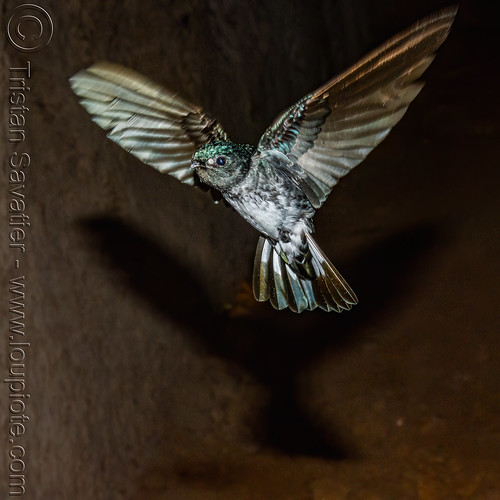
(262, 214)
(268, 214)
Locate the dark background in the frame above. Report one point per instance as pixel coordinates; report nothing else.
(152, 374)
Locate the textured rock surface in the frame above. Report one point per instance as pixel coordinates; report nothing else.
(141, 387)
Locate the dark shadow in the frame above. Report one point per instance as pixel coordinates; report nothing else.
(149, 270)
(275, 347)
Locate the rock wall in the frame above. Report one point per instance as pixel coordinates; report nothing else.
(141, 383)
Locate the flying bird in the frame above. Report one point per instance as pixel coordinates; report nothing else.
(278, 185)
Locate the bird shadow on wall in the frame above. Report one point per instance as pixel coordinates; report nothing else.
(275, 347)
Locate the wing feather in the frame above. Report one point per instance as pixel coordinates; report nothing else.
(333, 129)
(155, 125)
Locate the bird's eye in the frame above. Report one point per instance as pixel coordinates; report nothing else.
(220, 160)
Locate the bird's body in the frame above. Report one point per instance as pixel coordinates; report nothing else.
(268, 189)
(274, 205)
(278, 185)
(268, 196)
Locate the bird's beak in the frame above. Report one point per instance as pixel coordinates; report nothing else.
(196, 164)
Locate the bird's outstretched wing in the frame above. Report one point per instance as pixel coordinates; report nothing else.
(333, 129)
(152, 123)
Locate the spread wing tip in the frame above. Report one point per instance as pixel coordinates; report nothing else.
(149, 121)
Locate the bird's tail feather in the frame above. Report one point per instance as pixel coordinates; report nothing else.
(274, 280)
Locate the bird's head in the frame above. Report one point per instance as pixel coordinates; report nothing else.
(222, 164)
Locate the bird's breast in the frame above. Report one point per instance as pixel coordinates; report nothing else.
(270, 204)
